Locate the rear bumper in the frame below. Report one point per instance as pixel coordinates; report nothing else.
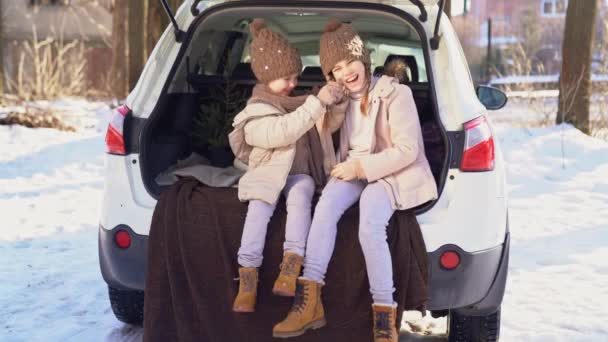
(476, 286)
(123, 268)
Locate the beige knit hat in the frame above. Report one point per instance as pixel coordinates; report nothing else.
(340, 41)
(271, 55)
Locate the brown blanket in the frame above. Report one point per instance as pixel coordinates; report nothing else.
(192, 263)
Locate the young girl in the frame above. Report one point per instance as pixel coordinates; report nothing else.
(382, 164)
(273, 136)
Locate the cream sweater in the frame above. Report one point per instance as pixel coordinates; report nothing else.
(360, 130)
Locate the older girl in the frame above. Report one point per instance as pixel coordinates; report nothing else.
(382, 165)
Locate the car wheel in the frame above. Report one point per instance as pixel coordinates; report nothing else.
(462, 328)
(128, 305)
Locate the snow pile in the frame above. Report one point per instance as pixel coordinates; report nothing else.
(75, 112)
(51, 185)
(559, 222)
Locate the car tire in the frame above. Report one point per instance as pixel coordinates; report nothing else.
(463, 328)
(128, 305)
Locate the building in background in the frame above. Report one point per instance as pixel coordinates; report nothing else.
(537, 26)
(86, 21)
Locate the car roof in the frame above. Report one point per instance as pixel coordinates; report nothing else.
(426, 3)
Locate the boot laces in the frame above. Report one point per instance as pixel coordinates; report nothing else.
(299, 300)
(382, 325)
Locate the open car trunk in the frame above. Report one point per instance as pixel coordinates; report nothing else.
(212, 79)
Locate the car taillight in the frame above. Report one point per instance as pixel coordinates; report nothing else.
(449, 260)
(478, 146)
(122, 239)
(115, 141)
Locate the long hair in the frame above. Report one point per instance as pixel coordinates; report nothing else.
(365, 99)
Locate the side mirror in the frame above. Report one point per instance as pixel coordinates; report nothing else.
(491, 97)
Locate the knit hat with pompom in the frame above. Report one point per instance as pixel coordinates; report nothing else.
(271, 55)
(340, 42)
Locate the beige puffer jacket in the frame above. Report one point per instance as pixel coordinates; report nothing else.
(265, 139)
(397, 160)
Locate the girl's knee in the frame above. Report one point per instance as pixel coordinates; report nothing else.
(374, 195)
(301, 194)
(304, 186)
(307, 184)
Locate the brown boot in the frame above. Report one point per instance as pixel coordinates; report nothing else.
(285, 285)
(385, 329)
(306, 312)
(248, 289)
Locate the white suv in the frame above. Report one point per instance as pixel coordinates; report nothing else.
(466, 230)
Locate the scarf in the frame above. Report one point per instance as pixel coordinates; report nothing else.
(287, 104)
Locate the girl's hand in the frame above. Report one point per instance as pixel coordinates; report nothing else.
(330, 94)
(348, 170)
(340, 91)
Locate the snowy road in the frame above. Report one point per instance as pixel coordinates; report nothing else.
(50, 195)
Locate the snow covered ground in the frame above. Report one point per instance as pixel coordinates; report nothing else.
(50, 195)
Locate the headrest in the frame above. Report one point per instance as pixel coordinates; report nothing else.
(410, 61)
(312, 73)
(378, 71)
(243, 71)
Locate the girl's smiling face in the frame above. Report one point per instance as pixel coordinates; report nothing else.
(350, 73)
(283, 86)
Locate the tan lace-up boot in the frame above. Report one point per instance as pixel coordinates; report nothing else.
(306, 312)
(248, 288)
(385, 329)
(285, 285)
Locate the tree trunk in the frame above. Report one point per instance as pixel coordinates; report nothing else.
(575, 77)
(157, 20)
(447, 8)
(119, 49)
(137, 34)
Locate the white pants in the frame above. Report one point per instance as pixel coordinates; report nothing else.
(298, 192)
(375, 211)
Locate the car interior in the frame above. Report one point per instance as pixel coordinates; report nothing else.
(215, 75)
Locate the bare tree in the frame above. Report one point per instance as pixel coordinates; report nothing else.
(154, 24)
(575, 77)
(119, 48)
(530, 32)
(136, 40)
